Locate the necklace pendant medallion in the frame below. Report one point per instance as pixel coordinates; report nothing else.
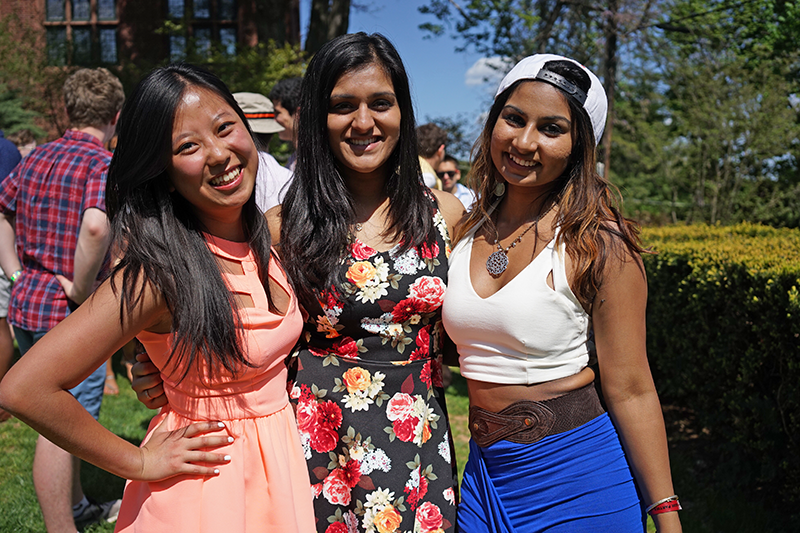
(497, 263)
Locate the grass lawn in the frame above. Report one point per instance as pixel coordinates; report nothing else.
(707, 509)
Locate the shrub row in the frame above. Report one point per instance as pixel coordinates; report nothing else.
(724, 340)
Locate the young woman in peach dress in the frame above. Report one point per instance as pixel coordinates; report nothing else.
(199, 287)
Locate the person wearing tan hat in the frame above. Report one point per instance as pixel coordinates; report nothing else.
(272, 179)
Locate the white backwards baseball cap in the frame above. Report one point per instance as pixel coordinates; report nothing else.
(594, 102)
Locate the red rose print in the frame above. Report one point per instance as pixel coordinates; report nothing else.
(417, 493)
(399, 406)
(346, 347)
(306, 414)
(430, 290)
(316, 490)
(423, 339)
(429, 517)
(318, 353)
(329, 415)
(417, 354)
(428, 252)
(337, 527)
(408, 308)
(404, 428)
(335, 489)
(425, 374)
(361, 251)
(323, 439)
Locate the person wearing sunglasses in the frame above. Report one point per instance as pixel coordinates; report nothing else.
(450, 175)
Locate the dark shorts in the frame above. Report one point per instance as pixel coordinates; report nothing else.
(89, 392)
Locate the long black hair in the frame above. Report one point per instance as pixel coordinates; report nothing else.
(159, 237)
(318, 212)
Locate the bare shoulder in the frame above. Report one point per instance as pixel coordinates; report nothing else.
(273, 217)
(451, 208)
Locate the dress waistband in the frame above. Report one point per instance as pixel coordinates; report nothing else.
(526, 422)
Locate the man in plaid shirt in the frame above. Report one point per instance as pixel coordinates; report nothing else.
(56, 198)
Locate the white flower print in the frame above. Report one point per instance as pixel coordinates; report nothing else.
(408, 262)
(444, 448)
(371, 292)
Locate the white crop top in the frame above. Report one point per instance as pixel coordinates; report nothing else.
(526, 332)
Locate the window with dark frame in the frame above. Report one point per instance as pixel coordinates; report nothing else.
(81, 32)
(205, 23)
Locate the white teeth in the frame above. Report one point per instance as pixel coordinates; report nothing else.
(521, 162)
(226, 178)
(363, 142)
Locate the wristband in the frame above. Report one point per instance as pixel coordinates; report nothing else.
(664, 506)
(15, 276)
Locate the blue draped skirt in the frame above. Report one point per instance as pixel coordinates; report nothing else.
(576, 481)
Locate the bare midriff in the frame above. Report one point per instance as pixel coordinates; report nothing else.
(495, 397)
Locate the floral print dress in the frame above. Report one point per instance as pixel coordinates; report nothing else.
(370, 403)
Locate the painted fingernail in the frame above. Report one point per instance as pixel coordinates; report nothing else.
(227, 457)
(230, 439)
(216, 470)
(220, 425)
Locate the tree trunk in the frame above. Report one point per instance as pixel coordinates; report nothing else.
(328, 19)
(611, 31)
(338, 18)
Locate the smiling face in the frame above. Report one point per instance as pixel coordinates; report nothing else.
(532, 138)
(363, 122)
(214, 161)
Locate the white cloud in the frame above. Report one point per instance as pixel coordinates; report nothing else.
(487, 70)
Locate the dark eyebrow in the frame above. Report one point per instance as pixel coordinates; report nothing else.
(553, 118)
(345, 96)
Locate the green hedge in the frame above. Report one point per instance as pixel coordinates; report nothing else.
(724, 340)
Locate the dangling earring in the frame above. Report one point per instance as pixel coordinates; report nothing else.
(500, 188)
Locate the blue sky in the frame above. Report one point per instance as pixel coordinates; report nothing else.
(443, 82)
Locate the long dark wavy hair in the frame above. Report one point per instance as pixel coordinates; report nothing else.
(160, 240)
(318, 213)
(592, 225)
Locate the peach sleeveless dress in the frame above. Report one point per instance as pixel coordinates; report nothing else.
(265, 487)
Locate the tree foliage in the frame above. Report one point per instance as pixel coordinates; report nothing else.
(703, 94)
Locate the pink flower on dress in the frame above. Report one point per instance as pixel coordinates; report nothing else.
(306, 414)
(361, 251)
(429, 517)
(399, 406)
(430, 290)
(335, 489)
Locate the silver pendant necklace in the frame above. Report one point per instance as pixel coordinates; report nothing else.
(498, 261)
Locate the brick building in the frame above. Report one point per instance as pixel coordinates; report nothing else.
(115, 32)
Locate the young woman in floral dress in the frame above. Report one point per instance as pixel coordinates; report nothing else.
(365, 244)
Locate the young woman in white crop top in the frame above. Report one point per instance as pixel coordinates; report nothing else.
(546, 271)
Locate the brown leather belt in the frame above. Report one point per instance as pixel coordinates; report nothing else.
(525, 422)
